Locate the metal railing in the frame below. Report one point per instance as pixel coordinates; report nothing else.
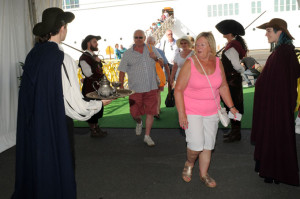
(166, 25)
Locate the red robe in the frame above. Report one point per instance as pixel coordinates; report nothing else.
(273, 127)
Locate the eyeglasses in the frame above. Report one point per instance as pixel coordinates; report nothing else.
(138, 37)
(171, 47)
(183, 43)
(170, 34)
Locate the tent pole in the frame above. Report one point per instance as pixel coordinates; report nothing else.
(32, 16)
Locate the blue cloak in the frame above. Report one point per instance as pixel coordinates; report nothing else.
(43, 158)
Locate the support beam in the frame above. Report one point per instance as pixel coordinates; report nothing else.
(32, 16)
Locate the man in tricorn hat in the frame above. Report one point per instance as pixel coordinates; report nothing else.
(49, 97)
(234, 51)
(91, 67)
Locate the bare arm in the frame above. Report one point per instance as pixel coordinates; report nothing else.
(156, 56)
(225, 93)
(168, 72)
(161, 61)
(181, 84)
(174, 70)
(121, 79)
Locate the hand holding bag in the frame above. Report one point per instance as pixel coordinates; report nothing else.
(170, 99)
(221, 110)
(223, 116)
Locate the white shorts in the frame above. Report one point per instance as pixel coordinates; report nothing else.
(201, 132)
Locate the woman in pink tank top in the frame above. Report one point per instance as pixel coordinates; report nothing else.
(197, 107)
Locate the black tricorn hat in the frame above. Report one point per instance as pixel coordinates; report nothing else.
(50, 17)
(87, 39)
(230, 26)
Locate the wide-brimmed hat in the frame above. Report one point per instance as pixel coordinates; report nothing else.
(278, 24)
(50, 17)
(184, 38)
(87, 39)
(230, 26)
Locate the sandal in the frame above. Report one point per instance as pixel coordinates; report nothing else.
(208, 181)
(187, 173)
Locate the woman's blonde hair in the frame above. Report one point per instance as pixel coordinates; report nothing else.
(210, 39)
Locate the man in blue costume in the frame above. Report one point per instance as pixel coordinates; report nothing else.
(44, 167)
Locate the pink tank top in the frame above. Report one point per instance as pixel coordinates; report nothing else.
(198, 97)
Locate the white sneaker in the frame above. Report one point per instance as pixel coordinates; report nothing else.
(139, 128)
(148, 140)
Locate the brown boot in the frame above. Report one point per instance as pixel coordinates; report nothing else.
(103, 133)
(226, 135)
(94, 133)
(235, 132)
(189, 164)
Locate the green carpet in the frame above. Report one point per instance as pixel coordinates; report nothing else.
(116, 114)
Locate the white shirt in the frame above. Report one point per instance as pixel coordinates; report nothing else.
(140, 69)
(170, 49)
(86, 68)
(75, 106)
(233, 56)
(166, 14)
(180, 61)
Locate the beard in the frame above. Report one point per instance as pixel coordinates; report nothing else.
(94, 48)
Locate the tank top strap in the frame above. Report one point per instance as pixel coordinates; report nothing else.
(193, 68)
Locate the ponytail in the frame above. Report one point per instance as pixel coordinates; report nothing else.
(242, 41)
